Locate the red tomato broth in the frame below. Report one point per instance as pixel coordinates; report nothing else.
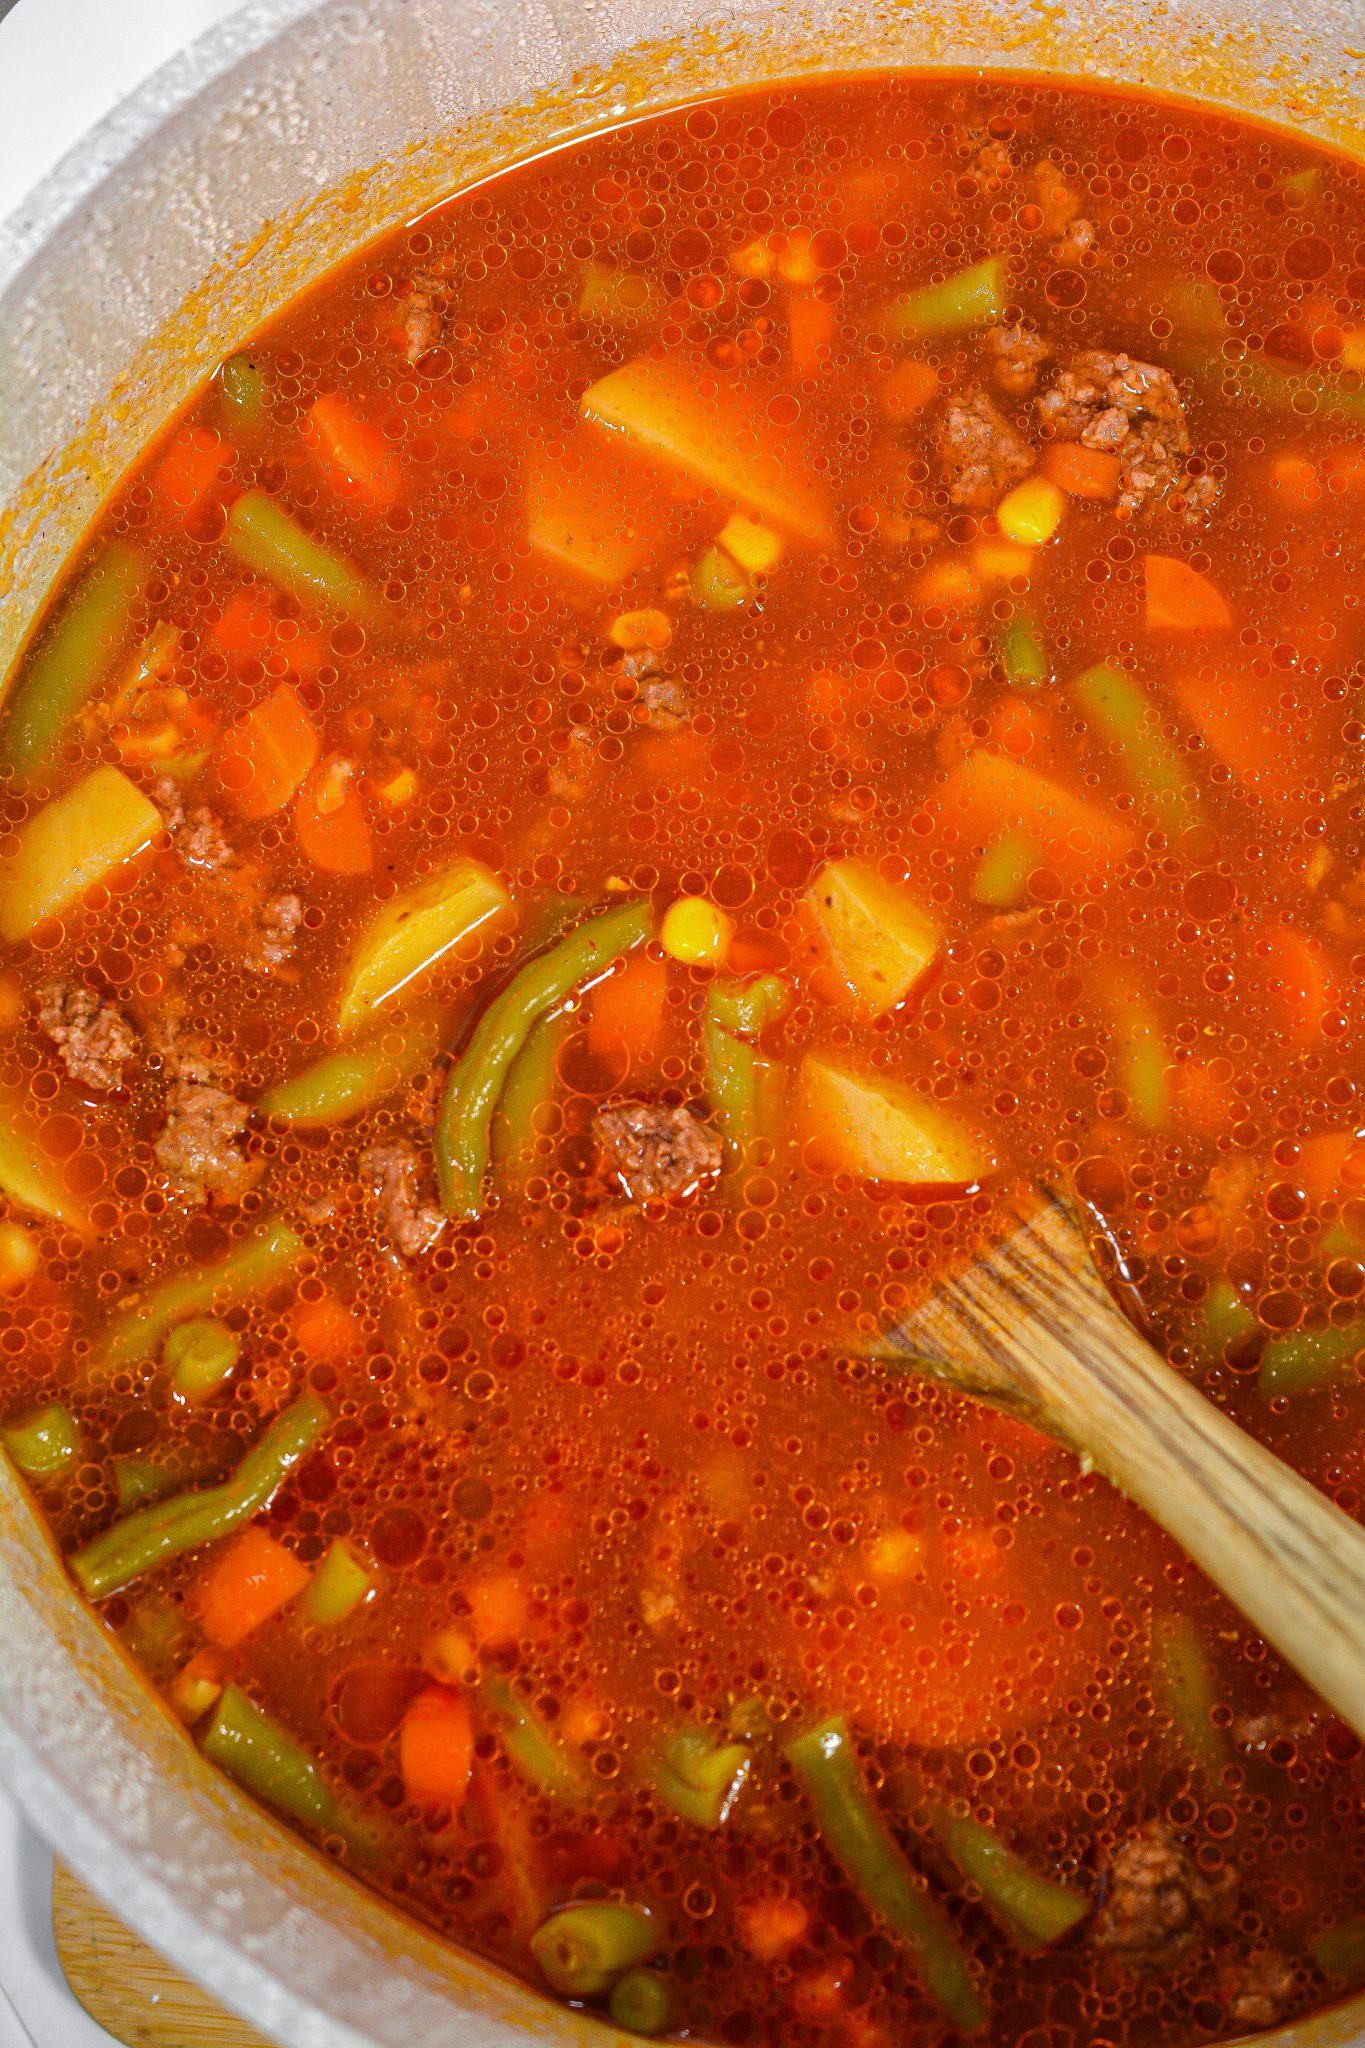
(635, 1460)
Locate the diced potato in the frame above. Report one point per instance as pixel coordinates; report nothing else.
(754, 546)
(594, 510)
(881, 1130)
(988, 795)
(414, 933)
(718, 434)
(880, 940)
(70, 845)
(27, 1178)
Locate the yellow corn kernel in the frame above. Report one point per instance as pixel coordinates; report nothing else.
(196, 1688)
(637, 632)
(451, 1655)
(895, 1555)
(1031, 512)
(949, 583)
(400, 788)
(696, 932)
(754, 546)
(18, 1256)
(1000, 561)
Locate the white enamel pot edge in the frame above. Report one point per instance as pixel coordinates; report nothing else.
(327, 120)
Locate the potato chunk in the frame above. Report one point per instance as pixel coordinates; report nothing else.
(414, 932)
(71, 844)
(880, 940)
(881, 1130)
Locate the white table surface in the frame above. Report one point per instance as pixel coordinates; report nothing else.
(64, 64)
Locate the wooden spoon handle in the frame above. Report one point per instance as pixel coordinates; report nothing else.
(1033, 1325)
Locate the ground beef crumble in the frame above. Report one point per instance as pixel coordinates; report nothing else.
(277, 923)
(198, 1150)
(197, 834)
(655, 1148)
(93, 1036)
(1131, 409)
(422, 308)
(1015, 353)
(1155, 1898)
(981, 453)
(1258, 1992)
(393, 1173)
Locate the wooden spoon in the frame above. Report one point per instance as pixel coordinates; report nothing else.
(1031, 1326)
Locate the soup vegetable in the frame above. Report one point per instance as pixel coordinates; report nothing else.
(642, 752)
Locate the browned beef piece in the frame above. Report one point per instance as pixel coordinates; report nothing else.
(1015, 353)
(1130, 409)
(277, 924)
(1075, 241)
(655, 1148)
(393, 1172)
(1258, 1992)
(1155, 1898)
(1286, 1718)
(199, 1149)
(422, 326)
(198, 835)
(92, 1035)
(981, 453)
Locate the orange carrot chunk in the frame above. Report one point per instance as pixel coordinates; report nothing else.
(1081, 472)
(247, 1582)
(327, 1329)
(1298, 980)
(810, 323)
(263, 760)
(330, 820)
(189, 470)
(356, 458)
(1180, 599)
(628, 1008)
(907, 389)
(436, 1747)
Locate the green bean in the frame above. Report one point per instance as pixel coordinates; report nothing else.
(1001, 879)
(1307, 1359)
(337, 1587)
(243, 389)
(530, 1084)
(265, 1256)
(858, 1840)
(748, 1007)
(1022, 655)
(700, 1779)
(347, 1082)
(718, 582)
(72, 658)
(144, 1540)
(1034, 1910)
(623, 298)
(541, 1760)
(1143, 1059)
(477, 1078)
(249, 1746)
(1225, 1318)
(138, 1480)
(1341, 1951)
(582, 1949)
(42, 1444)
(1184, 1688)
(972, 298)
(744, 1085)
(642, 2002)
(1119, 709)
(263, 536)
(201, 1356)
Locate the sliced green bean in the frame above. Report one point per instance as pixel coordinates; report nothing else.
(623, 298)
(642, 2002)
(243, 390)
(1142, 1058)
(263, 536)
(1183, 1682)
(1022, 654)
(1341, 1951)
(1119, 708)
(860, 1843)
(700, 1779)
(145, 1540)
(541, 1760)
(1226, 1318)
(201, 1356)
(1001, 879)
(477, 1078)
(354, 1079)
(1035, 1911)
(338, 1586)
(972, 298)
(266, 1256)
(582, 1949)
(251, 1748)
(138, 1480)
(531, 1082)
(1306, 1360)
(744, 1085)
(72, 659)
(42, 1444)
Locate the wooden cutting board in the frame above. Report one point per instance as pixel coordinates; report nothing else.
(125, 1985)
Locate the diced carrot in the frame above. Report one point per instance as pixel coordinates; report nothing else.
(770, 1927)
(810, 323)
(1298, 979)
(498, 1607)
(355, 455)
(948, 585)
(1245, 722)
(1081, 472)
(330, 820)
(189, 470)
(327, 1328)
(628, 1008)
(1331, 1164)
(249, 629)
(263, 759)
(436, 1747)
(244, 1585)
(1020, 725)
(907, 389)
(1180, 599)
(988, 795)
(818, 1997)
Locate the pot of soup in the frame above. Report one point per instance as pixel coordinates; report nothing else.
(650, 651)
